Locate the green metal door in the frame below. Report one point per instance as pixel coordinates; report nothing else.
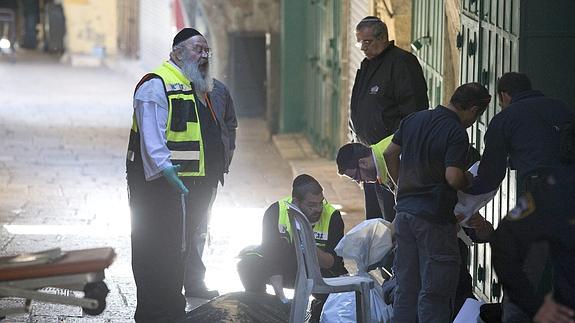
(427, 44)
(489, 42)
(322, 76)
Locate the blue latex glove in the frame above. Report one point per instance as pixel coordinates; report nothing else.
(171, 175)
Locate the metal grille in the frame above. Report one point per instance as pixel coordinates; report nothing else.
(489, 42)
(427, 36)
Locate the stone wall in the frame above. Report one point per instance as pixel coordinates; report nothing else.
(397, 15)
(451, 52)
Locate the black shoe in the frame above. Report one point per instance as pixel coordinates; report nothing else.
(202, 293)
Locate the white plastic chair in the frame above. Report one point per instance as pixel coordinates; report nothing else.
(309, 279)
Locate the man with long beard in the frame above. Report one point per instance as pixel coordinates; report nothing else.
(181, 143)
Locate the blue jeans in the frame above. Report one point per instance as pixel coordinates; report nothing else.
(427, 270)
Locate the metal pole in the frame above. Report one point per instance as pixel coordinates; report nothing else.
(183, 199)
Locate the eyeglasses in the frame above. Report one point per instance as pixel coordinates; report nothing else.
(311, 205)
(202, 50)
(364, 43)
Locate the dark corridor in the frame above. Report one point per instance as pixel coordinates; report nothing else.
(248, 73)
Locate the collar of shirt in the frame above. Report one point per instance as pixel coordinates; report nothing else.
(447, 112)
(174, 64)
(382, 54)
(525, 94)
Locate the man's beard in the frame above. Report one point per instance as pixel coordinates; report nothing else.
(203, 82)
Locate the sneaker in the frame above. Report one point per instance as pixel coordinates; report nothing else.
(202, 293)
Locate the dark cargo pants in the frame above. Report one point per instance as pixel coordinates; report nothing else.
(158, 263)
(427, 270)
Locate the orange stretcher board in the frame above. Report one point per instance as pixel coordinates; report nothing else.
(22, 275)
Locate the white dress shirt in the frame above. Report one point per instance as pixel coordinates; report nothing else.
(151, 109)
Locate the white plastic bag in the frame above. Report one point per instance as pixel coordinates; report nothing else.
(365, 244)
(340, 308)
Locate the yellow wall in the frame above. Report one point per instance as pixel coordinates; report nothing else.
(91, 24)
(397, 16)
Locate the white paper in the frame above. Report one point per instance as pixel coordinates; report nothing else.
(473, 169)
(464, 237)
(469, 311)
(469, 204)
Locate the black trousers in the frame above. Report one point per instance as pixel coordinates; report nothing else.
(157, 257)
(195, 271)
(254, 276)
(379, 202)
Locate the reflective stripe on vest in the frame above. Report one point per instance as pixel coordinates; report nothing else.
(320, 229)
(378, 150)
(183, 131)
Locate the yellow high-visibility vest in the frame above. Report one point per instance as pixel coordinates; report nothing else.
(183, 130)
(320, 229)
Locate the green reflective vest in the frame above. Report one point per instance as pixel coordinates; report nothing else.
(378, 150)
(320, 229)
(183, 131)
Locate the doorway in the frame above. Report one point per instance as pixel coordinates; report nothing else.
(248, 73)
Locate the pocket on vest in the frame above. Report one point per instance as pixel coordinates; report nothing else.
(182, 112)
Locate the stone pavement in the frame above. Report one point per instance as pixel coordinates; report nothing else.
(64, 132)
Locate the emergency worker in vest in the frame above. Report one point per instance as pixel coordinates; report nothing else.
(388, 86)
(525, 137)
(366, 164)
(274, 262)
(179, 148)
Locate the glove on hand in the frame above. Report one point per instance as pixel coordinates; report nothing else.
(171, 175)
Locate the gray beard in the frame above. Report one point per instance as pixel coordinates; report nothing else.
(202, 84)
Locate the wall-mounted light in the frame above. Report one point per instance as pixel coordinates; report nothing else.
(420, 42)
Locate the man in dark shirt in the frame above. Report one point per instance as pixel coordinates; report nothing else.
(524, 135)
(433, 145)
(217, 117)
(388, 86)
(275, 262)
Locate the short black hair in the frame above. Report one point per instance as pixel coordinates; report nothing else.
(348, 156)
(513, 83)
(469, 95)
(378, 27)
(304, 184)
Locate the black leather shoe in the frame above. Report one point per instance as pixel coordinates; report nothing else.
(202, 293)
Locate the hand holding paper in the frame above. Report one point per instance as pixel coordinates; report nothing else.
(469, 204)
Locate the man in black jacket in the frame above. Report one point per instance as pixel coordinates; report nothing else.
(388, 86)
(525, 137)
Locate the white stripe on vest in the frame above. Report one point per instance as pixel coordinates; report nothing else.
(185, 155)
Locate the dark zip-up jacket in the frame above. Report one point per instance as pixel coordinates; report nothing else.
(387, 88)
